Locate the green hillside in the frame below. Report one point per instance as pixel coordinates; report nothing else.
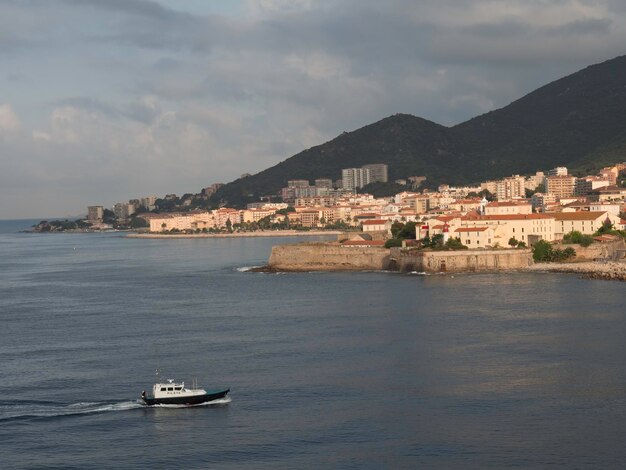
(578, 121)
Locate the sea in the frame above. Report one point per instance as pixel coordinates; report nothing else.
(369, 370)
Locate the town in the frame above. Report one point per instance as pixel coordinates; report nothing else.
(515, 211)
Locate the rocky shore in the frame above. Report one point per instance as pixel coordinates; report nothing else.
(591, 270)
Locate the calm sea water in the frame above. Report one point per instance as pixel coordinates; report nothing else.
(354, 370)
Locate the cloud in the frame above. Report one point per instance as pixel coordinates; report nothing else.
(139, 97)
(9, 122)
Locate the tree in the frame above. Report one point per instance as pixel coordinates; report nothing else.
(108, 216)
(139, 222)
(455, 244)
(577, 237)
(542, 251)
(407, 231)
(513, 242)
(607, 227)
(286, 210)
(393, 242)
(229, 225)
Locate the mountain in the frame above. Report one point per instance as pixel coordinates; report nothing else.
(577, 121)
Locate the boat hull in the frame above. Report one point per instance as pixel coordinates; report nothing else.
(189, 400)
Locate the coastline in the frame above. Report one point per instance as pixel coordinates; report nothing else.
(593, 270)
(267, 233)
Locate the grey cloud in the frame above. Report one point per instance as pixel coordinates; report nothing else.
(141, 8)
(235, 94)
(600, 26)
(89, 104)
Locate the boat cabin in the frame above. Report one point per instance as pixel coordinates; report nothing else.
(172, 389)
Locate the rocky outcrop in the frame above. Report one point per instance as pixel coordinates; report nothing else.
(610, 271)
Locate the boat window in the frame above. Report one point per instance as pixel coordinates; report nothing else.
(178, 388)
(169, 389)
(162, 389)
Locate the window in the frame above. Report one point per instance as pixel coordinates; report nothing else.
(163, 389)
(169, 389)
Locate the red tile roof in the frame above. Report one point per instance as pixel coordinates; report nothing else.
(374, 222)
(471, 229)
(580, 215)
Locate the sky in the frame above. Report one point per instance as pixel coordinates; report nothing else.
(102, 101)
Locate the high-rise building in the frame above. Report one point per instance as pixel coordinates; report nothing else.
(123, 210)
(95, 213)
(560, 186)
(511, 187)
(297, 183)
(148, 202)
(354, 178)
(558, 171)
(324, 183)
(378, 172)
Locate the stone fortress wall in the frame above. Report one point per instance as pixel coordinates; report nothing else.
(328, 257)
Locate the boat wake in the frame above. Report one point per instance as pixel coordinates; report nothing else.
(26, 410)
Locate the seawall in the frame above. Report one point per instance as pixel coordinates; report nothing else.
(460, 261)
(334, 257)
(327, 257)
(610, 270)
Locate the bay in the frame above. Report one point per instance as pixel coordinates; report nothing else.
(341, 370)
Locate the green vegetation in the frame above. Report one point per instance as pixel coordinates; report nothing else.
(403, 231)
(576, 237)
(515, 243)
(383, 189)
(286, 210)
(139, 222)
(436, 243)
(61, 225)
(608, 229)
(544, 252)
(393, 242)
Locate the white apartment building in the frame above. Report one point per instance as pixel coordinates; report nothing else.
(354, 178)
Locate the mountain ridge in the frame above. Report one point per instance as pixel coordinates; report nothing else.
(578, 120)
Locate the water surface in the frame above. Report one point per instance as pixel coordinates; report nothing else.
(341, 370)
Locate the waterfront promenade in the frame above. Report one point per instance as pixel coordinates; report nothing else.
(263, 233)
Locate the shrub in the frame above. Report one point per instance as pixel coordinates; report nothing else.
(576, 237)
(455, 244)
(393, 242)
(542, 251)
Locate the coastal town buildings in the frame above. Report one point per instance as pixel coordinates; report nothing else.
(501, 218)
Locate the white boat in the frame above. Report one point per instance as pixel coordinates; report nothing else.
(174, 393)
